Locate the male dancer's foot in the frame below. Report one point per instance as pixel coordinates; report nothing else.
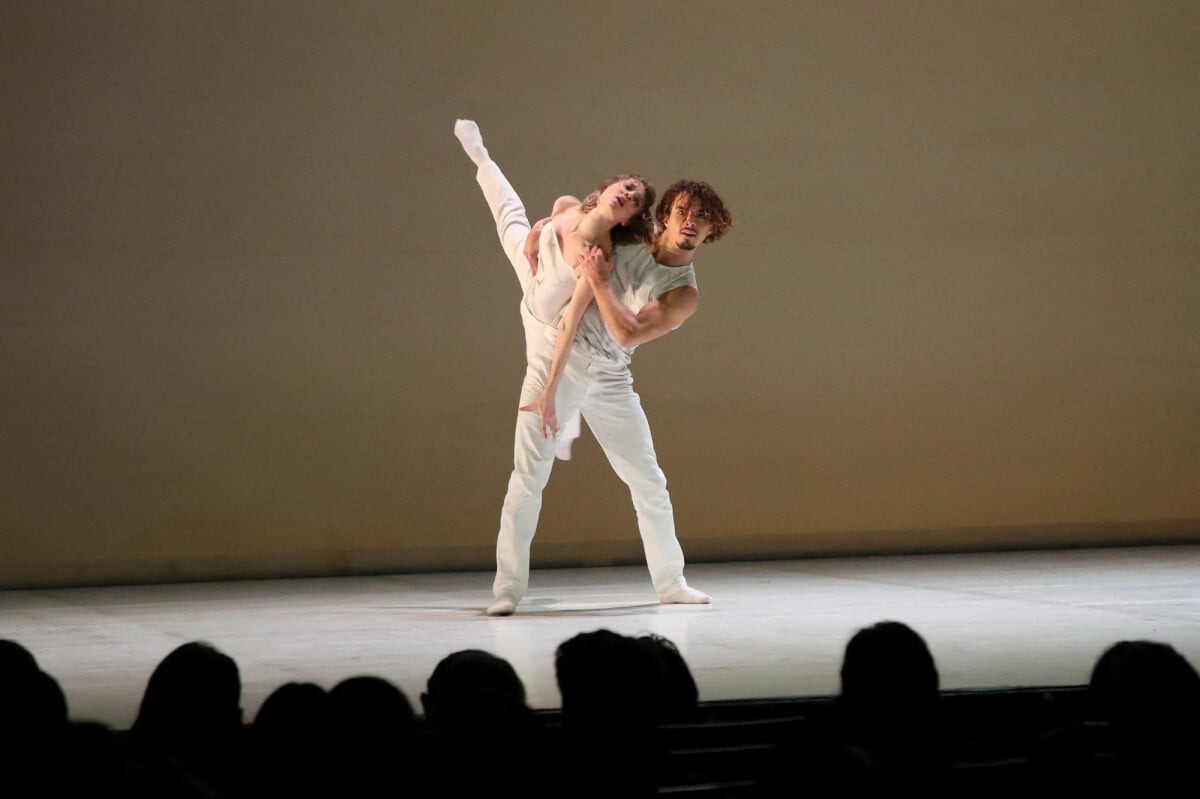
(503, 606)
(685, 595)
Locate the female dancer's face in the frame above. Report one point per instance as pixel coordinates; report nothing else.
(624, 200)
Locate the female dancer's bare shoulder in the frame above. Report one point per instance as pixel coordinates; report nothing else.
(565, 203)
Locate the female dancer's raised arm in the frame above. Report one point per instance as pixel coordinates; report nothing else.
(543, 406)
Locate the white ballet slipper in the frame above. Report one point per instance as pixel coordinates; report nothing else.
(503, 606)
(471, 139)
(685, 595)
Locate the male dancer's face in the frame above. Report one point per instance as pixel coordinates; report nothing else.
(687, 225)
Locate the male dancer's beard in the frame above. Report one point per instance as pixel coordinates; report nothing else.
(688, 244)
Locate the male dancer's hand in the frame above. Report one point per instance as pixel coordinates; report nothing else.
(595, 266)
(543, 406)
(532, 243)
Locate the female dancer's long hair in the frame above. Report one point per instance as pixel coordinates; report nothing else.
(640, 229)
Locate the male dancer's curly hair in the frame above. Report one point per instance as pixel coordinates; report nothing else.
(710, 203)
(640, 229)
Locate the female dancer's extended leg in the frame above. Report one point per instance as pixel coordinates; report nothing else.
(512, 223)
(512, 226)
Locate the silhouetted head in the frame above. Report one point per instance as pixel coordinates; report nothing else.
(191, 715)
(289, 748)
(31, 701)
(370, 708)
(32, 708)
(194, 691)
(473, 691)
(606, 680)
(888, 664)
(291, 710)
(1145, 686)
(371, 732)
(888, 707)
(678, 696)
(15, 659)
(609, 685)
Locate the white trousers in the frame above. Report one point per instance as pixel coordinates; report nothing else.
(599, 390)
(603, 393)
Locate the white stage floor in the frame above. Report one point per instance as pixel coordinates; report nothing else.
(776, 628)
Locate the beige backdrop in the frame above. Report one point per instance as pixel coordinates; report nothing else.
(256, 322)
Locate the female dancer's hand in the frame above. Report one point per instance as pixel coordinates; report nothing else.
(543, 406)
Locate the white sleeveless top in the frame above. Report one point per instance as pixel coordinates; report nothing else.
(637, 279)
(551, 288)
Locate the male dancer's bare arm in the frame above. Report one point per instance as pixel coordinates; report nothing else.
(531, 244)
(543, 406)
(655, 319)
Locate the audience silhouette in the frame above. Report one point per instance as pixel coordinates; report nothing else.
(475, 696)
(32, 705)
(33, 716)
(15, 659)
(1138, 728)
(287, 742)
(884, 732)
(678, 698)
(888, 706)
(191, 714)
(608, 684)
(371, 735)
(475, 708)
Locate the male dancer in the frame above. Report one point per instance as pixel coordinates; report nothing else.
(640, 296)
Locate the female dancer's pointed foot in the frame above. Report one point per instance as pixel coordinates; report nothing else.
(503, 606)
(472, 141)
(685, 596)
